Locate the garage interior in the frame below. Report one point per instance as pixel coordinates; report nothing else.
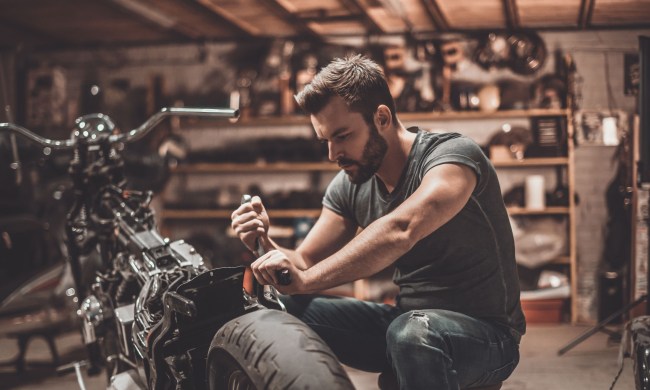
(551, 90)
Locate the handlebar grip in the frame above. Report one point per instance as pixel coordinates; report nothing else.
(284, 277)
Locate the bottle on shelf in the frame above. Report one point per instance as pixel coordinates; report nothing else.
(560, 195)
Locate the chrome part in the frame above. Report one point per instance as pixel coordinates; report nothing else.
(54, 144)
(188, 255)
(127, 380)
(92, 315)
(80, 379)
(137, 269)
(640, 351)
(125, 316)
(139, 132)
(130, 136)
(92, 128)
(271, 298)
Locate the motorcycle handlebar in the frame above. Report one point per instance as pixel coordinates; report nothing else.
(130, 136)
(54, 144)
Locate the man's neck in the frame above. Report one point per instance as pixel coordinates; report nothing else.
(396, 157)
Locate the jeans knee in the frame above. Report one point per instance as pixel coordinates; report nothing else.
(412, 332)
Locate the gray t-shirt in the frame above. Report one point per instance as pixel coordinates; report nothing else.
(468, 264)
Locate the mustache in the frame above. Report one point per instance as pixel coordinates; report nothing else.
(345, 161)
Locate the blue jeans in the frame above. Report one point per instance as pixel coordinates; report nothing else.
(424, 349)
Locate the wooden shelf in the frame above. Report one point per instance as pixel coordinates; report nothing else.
(531, 162)
(257, 167)
(297, 120)
(451, 115)
(565, 260)
(225, 214)
(331, 167)
(312, 213)
(546, 211)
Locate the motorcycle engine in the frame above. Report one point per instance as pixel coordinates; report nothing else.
(129, 298)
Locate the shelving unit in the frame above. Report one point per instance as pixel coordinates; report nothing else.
(225, 214)
(169, 215)
(257, 167)
(532, 162)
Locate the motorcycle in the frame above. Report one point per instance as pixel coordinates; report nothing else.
(155, 316)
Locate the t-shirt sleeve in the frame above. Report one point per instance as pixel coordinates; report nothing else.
(460, 150)
(337, 196)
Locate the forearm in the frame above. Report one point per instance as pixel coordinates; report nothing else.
(295, 257)
(374, 249)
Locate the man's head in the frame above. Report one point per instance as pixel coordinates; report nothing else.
(350, 105)
(359, 81)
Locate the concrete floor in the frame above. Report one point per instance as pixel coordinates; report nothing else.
(591, 365)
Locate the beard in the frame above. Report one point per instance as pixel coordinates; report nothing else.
(371, 159)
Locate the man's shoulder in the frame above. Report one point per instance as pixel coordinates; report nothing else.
(442, 136)
(446, 142)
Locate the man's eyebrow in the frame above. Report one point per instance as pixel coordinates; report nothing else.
(334, 134)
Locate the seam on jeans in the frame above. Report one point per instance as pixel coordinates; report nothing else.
(450, 361)
(488, 374)
(465, 336)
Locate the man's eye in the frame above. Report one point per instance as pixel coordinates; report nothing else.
(341, 137)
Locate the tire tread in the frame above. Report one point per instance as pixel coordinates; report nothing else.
(277, 351)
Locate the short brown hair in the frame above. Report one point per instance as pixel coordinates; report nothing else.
(357, 79)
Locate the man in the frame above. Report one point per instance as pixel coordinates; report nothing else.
(428, 203)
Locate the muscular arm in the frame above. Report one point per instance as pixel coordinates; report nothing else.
(330, 233)
(444, 191)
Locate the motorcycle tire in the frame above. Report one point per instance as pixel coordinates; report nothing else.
(270, 349)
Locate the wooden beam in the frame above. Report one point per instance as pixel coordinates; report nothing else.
(355, 7)
(398, 8)
(586, 12)
(511, 14)
(32, 35)
(244, 26)
(292, 19)
(156, 17)
(325, 18)
(436, 15)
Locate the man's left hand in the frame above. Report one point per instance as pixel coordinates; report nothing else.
(267, 267)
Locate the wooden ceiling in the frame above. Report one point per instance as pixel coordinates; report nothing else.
(65, 23)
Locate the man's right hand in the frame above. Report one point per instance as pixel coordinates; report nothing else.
(251, 222)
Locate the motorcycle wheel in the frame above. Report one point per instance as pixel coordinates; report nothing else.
(270, 349)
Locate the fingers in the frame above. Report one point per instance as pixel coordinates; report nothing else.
(254, 205)
(248, 211)
(244, 208)
(256, 202)
(265, 268)
(250, 222)
(246, 223)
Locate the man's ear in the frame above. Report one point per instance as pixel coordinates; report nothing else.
(383, 117)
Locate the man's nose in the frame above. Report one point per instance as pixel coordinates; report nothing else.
(333, 153)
